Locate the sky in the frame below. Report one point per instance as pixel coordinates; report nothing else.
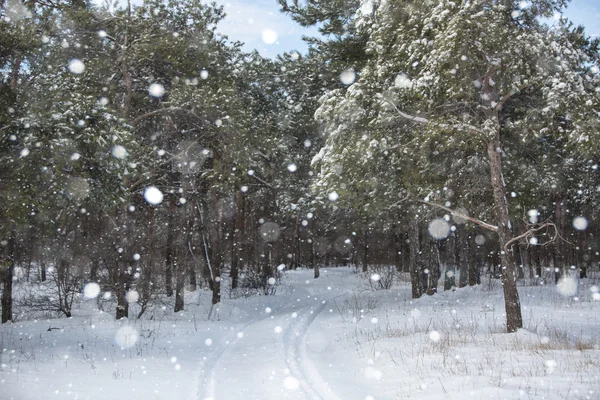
(247, 20)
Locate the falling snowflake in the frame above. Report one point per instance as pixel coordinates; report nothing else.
(153, 195)
(348, 77)
(269, 36)
(76, 66)
(91, 290)
(156, 90)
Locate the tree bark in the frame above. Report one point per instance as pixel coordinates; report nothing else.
(237, 238)
(560, 217)
(8, 268)
(191, 259)
(463, 255)
(43, 270)
(170, 250)
(474, 278)
(512, 303)
(179, 285)
(415, 270)
(365, 263)
(397, 240)
(14, 74)
(435, 269)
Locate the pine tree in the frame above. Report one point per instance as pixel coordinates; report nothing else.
(449, 77)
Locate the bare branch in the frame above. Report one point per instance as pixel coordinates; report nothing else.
(530, 234)
(169, 110)
(510, 94)
(458, 214)
(422, 120)
(267, 184)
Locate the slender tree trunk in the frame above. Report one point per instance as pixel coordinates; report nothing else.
(397, 239)
(191, 259)
(473, 271)
(312, 253)
(462, 254)
(415, 271)
(474, 265)
(365, 265)
(450, 274)
(512, 302)
(179, 271)
(43, 270)
(122, 304)
(147, 265)
(585, 246)
(122, 285)
(7, 269)
(435, 269)
(170, 250)
(534, 257)
(405, 252)
(217, 246)
(560, 217)
(237, 238)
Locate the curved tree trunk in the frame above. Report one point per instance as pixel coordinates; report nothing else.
(512, 303)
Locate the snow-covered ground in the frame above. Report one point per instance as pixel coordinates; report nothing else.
(329, 338)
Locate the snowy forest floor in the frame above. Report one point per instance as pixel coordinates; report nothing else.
(329, 338)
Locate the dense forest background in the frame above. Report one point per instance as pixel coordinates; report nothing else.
(145, 154)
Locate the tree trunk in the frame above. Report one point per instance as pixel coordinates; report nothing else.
(512, 302)
(397, 238)
(170, 250)
(474, 278)
(586, 255)
(237, 238)
(435, 269)
(43, 270)
(14, 75)
(462, 255)
(536, 262)
(560, 217)
(191, 259)
(405, 252)
(450, 274)
(415, 272)
(179, 285)
(178, 269)
(365, 265)
(122, 304)
(8, 268)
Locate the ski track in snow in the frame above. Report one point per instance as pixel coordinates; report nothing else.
(208, 382)
(294, 352)
(297, 360)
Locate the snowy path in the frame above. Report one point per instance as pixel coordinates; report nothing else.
(324, 339)
(267, 357)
